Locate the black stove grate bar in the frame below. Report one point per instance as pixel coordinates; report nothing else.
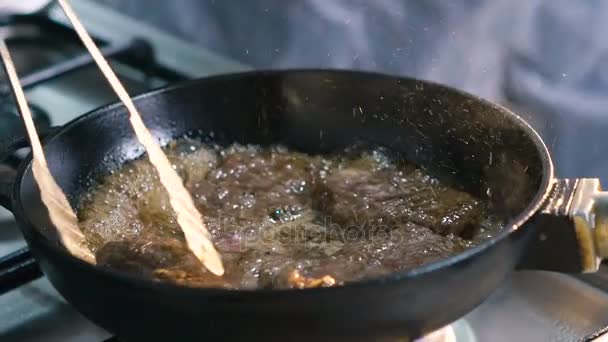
(137, 51)
(16, 269)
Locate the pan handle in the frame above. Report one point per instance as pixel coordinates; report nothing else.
(8, 165)
(590, 212)
(571, 228)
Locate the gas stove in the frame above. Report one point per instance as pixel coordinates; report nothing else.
(62, 83)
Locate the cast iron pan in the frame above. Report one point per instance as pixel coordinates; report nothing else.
(464, 140)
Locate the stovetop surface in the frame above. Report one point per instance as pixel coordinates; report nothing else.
(530, 306)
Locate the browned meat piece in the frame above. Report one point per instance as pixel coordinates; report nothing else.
(249, 186)
(273, 214)
(306, 273)
(406, 246)
(299, 281)
(360, 199)
(180, 277)
(162, 259)
(141, 256)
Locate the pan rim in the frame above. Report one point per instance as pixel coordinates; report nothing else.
(512, 225)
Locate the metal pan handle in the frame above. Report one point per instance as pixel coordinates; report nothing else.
(571, 229)
(589, 210)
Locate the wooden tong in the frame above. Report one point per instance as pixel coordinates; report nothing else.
(188, 217)
(60, 211)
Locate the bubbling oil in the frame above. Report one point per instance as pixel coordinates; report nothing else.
(280, 218)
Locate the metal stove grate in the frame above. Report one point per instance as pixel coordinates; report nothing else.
(19, 268)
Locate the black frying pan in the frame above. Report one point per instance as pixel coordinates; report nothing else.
(482, 147)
